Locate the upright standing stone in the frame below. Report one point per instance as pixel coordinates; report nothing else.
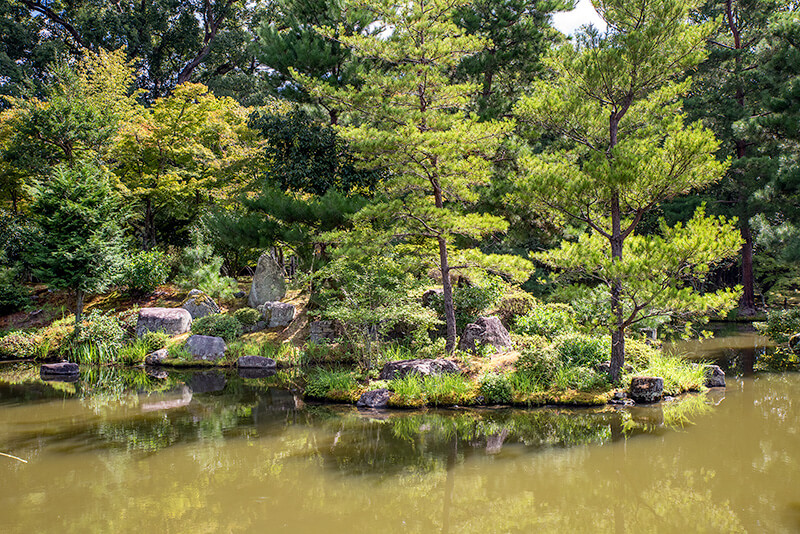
(268, 284)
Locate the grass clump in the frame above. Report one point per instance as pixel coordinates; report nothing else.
(135, 352)
(324, 383)
(414, 390)
(679, 375)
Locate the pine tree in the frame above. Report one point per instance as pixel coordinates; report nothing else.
(79, 214)
(408, 118)
(614, 103)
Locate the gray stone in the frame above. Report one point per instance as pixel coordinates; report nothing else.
(320, 331)
(377, 398)
(268, 284)
(172, 321)
(277, 313)
(207, 382)
(256, 362)
(209, 348)
(62, 368)
(794, 343)
(484, 331)
(156, 357)
(646, 389)
(401, 368)
(198, 304)
(715, 376)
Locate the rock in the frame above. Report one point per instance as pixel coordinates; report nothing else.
(794, 343)
(268, 282)
(715, 376)
(62, 368)
(427, 297)
(239, 295)
(172, 321)
(207, 382)
(484, 331)
(277, 313)
(256, 362)
(377, 398)
(401, 368)
(323, 331)
(157, 357)
(210, 348)
(198, 304)
(604, 368)
(256, 372)
(646, 389)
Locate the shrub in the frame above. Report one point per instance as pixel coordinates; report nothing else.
(320, 382)
(13, 295)
(145, 271)
(471, 301)
(513, 306)
(247, 316)
(549, 320)
(17, 345)
(541, 363)
(582, 350)
(495, 389)
(779, 360)
(153, 341)
(780, 325)
(98, 339)
(220, 325)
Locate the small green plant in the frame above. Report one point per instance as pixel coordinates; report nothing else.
(321, 381)
(144, 271)
(153, 341)
(449, 389)
(219, 324)
(495, 388)
(237, 349)
(579, 378)
(525, 382)
(540, 363)
(549, 320)
(582, 350)
(247, 316)
(178, 352)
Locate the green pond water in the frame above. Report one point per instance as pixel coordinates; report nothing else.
(211, 452)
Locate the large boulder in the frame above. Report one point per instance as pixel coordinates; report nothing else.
(269, 284)
(484, 331)
(277, 313)
(198, 304)
(208, 348)
(377, 398)
(401, 368)
(646, 389)
(715, 376)
(256, 362)
(172, 321)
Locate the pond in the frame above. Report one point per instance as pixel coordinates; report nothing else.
(121, 451)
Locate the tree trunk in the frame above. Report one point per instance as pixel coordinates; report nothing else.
(748, 303)
(447, 288)
(78, 310)
(618, 330)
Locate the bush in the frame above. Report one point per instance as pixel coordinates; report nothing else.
(780, 325)
(199, 268)
(16, 344)
(471, 301)
(98, 340)
(525, 382)
(495, 389)
(220, 325)
(582, 350)
(153, 341)
(13, 295)
(541, 363)
(549, 320)
(145, 271)
(247, 316)
(513, 306)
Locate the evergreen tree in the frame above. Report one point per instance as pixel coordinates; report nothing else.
(614, 101)
(79, 214)
(411, 120)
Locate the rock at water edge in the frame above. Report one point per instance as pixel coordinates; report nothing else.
(208, 348)
(377, 398)
(646, 389)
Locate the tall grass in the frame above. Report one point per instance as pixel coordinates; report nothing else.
(679, 374)
(439, 390)
(321, 381)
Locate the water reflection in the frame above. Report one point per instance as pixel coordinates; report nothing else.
(122, 451)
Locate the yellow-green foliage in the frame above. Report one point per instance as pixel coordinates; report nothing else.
(679, 374)
(337, 385)
(438, 390)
